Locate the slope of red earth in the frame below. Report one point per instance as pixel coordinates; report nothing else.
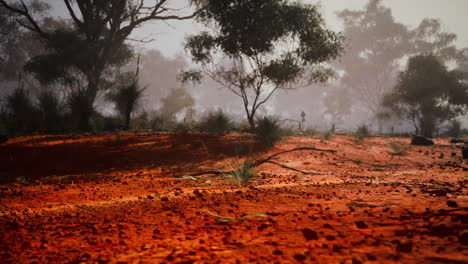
(114, 198)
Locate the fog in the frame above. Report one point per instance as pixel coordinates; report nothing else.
(350, 99)
(169, 38)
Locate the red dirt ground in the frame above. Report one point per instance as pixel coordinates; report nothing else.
(113, 198)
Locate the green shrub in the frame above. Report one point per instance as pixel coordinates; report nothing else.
(268, 130)
(216, 122)
(310, 132)
(244, 173)
(396, 148)
(325, 136)
(362, 132)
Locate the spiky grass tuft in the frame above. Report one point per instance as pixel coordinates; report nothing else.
(268, 130)
(396, 148)
(244, 173)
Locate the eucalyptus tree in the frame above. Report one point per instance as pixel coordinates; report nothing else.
(377, 47)
(81, 55)
(256, 47)
(428, 94)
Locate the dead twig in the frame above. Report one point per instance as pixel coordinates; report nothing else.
(262, 161)
(358, 162)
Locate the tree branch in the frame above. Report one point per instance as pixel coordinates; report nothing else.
(25, 13)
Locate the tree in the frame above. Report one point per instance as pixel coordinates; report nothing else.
(126, 96)
(100, 29)
(267, 45)
(16, 44)
(427, 94)
(177, 100)
(377, 46)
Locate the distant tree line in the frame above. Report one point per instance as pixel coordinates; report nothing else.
(68, 72)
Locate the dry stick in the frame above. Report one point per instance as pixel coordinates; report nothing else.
(293, 169)
(259, 162)
(358, 162)
(291, 150)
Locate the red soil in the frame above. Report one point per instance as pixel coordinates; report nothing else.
(113, 198)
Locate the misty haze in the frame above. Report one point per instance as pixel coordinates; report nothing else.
(237, 131)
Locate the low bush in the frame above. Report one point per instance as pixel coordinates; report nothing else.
(268, 130)
(362, 132)
(244, 172)
(216, 122)
(396, 148)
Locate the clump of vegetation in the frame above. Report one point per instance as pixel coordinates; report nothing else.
(216, 122)
(310, 132)
(325, 136)
(244, 172)
(396, 148)
(268, 130)
(227, 219)
(361, 132)
(20, 115)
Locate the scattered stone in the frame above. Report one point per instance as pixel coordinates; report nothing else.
(440, 231)
(361, 224)
(300, 257)
(404, 247)
(309, 234)
(277, 252)
(421, 141)
(463, 238)
(452, 204)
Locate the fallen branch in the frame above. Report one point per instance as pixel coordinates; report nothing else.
(293, 169)
(358, 162)
(260, 162)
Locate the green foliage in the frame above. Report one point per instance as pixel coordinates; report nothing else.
(268, 130)
(227, 219)
(244, 172)
(396, 148)
(325, 136)
(216, 122)
(310, 132)
(126, 96)
(427, 94)
(284, 43)
(177, 100)
(362, 132)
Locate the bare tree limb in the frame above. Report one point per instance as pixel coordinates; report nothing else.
(259, 162)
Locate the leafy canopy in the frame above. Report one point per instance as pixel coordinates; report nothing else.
(254, 47)
(427, 93)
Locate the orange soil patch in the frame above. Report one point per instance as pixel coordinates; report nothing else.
(113, 198)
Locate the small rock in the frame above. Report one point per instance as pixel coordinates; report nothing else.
(405, 247)
(300, 257)
(309, 234)
(452, 204)
(277, 252)
(421, 141)
(463, 238)
(361, 224)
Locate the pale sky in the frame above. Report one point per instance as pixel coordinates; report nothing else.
(452, 13)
